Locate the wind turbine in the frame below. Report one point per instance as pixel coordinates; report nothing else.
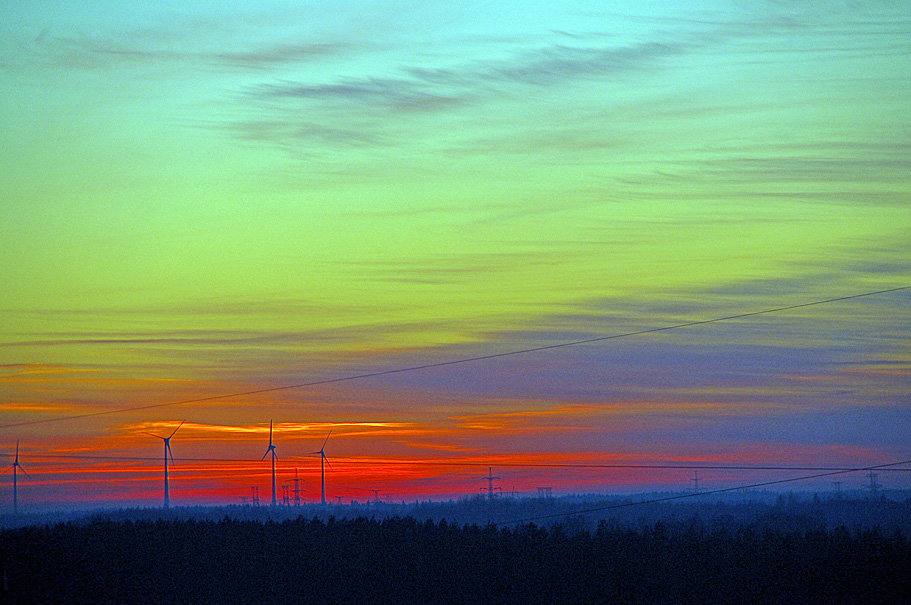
(16, 467)
(323, 461)
(271, 448)
(167, 452)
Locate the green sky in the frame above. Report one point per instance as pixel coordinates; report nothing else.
(226, 197)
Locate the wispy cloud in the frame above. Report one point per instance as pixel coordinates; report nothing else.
(287, 53)
(553, 65)
(397, 95)
(287, 430)
(19, 371)
(103, 54)
(421, 90)
(228, 42)
(294, 132)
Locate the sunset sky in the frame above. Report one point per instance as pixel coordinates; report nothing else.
(210, 198)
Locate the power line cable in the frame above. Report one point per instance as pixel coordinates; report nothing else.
(620, 466)
(413, 462)
(698, 494)
(829, 473)
(440, 364)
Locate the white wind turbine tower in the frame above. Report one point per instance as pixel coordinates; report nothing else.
(323, 461)
(16, 467)
(271, 448)
(167, 452)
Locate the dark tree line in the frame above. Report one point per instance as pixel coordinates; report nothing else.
(403, 560)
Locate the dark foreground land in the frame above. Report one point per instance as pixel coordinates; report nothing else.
(398, 560)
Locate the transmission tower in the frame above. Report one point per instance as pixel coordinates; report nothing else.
(490, 488)
(874, 484)
(297, 489)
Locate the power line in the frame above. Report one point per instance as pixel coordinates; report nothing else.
(440, 364)
(725, 467)
(696, 495)
(102, 457)
(413, 462)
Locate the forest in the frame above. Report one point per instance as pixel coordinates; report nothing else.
(406, 560)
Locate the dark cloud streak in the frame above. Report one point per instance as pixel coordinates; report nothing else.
(398, 95)
(92, 54)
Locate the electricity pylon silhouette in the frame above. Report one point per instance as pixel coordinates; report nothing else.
(167, 452)
(297, 489)
(490, 488)
(271, 448)
(323, 461)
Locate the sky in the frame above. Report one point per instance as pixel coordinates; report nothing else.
(205, 200)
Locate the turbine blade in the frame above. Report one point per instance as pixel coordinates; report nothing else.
(270, 433)
(16, 463)
(175, 430)
(327, 439)
(264, 455)
(327, 462)
(168, 445)
(151, 435)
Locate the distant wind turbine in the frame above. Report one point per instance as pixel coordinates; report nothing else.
(323, 461)
(271, 448)
(167, 452)
(16, 467)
